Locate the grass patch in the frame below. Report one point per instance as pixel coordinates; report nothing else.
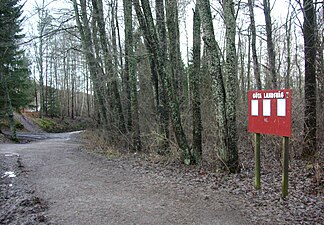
(59, 125)
(46, 124)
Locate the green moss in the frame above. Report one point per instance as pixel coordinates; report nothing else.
(46, 124)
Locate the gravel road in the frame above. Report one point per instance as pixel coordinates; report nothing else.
(84, 188)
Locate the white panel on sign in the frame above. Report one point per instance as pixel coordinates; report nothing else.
(281, 107)
(254, 107)
(266, 107)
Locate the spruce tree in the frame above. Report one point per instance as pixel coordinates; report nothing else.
(14, 75)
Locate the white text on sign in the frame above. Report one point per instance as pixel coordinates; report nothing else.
(279, 94)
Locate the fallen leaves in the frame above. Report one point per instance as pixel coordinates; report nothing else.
(266, 206)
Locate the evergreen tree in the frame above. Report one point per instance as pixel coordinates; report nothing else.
(16, 79)
(14, 76)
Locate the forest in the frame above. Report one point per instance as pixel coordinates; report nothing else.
(151, 80)
(162, 86)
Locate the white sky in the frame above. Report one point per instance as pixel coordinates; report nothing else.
(278, 13)
(279, 9)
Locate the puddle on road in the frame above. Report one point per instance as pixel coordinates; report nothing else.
(73, 132)
(77, 132)
(9, 174)
(11, 154)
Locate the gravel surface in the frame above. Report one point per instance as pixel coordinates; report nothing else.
(67, 185)
(58, 181)
(18, 202)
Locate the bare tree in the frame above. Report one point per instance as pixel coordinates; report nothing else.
(109, 69)
(94, 68)
(144, 15)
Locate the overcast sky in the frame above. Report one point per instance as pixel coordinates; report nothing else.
(278, 13)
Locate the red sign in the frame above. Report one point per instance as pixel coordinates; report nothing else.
(270, 112)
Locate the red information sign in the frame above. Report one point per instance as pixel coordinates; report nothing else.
(270, 112)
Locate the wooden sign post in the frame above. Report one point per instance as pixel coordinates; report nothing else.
(285, 158)
(257, 177)
(269, 112)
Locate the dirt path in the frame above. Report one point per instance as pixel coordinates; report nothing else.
(83, 188)
(27, 123)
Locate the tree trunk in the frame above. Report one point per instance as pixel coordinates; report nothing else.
(174, 46)
(320, 71)
(159, 85)
(41, 79)
(288, 58)
(46, 83)
(172, 79)
(230, 156)
(309, 30)
(248, 75)
(270, 44)
(35, 90)
(256, 66)
(241, 56)
(73, 87)
(214, 69)
(130, 70)
(195, 83)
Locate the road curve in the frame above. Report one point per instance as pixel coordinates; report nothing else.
(83, 188)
